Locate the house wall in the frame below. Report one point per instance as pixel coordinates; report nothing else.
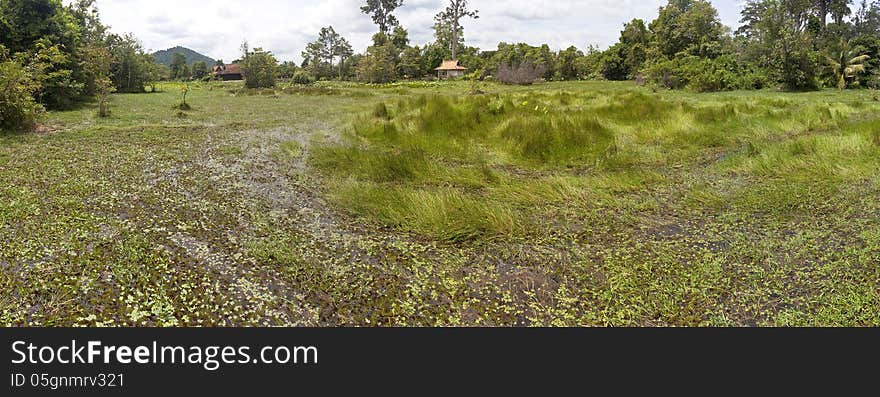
(450, 74)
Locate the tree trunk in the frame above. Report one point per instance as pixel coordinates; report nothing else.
(454, 40)
(341, 61)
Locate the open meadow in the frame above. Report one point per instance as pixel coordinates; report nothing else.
(442, 204)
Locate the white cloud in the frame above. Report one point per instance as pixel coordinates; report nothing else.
(285, 26)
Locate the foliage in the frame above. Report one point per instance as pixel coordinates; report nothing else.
(303, 78)
(287, 69)
(183, 105)
(690, 26)
(704, 75)
(199, 70)
(781, 37)
(567, 66)
(320, 54)
(517, 54)
(58, 89)
(411, 64)
(449, 20)
(378, 65)
(131, 68)
(179, 68)
(100, 62)
(258, 67)
(845, 64)
(18, 109)
(382, 13)
(625, 59)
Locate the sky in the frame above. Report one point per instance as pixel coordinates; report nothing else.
(284, 27)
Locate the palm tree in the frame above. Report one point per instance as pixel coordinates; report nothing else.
(845, 63)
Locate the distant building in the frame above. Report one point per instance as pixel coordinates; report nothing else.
(450, 70)
(228, 72)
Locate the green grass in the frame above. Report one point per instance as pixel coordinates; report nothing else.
(581, 204)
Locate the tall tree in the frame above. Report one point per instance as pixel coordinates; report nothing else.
(686, 25)
(200, 69)
(342, 49)
(100, 61)
(566, 63)
(259, 67)
(130, 68)
(779, 36)
(866, 20)
(451, 18)
(382, 13)
(178, 66)
(313, 57)
(321, 54)
(837, 9)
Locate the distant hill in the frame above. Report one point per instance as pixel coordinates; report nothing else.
(164, 57)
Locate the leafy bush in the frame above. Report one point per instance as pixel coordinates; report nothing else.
(525, 73)
(799, 71)
(377, 66)
(258, 68)
(874, 82)
(704, 75)
(302, 78)
(18, 110)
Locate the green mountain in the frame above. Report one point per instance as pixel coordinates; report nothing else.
(164, 57)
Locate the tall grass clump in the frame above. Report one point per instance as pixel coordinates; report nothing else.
(553, 140)
(380, 111)
(372, 164)
(440, 165)
(636, 107)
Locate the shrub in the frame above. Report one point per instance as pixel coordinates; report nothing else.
(182, 105)
(258, 68)
(18, 110)
(377, 66)
(302, 78)
(799, 71)
(874, 82)
(525, 73)
(704, 74)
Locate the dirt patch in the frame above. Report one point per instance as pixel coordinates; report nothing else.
(45, 129)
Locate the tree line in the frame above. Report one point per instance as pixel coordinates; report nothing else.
(789, 44)
(55, 56)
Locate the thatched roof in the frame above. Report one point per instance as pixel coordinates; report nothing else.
(451, 65)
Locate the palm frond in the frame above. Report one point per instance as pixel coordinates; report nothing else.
(853, 70)
(859, 59)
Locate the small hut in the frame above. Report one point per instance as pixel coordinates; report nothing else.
(228, 72)
(450, 70)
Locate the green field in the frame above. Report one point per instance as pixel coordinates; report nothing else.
(559, 204)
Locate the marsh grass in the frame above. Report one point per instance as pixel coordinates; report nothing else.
(558, 204)
(466, 167)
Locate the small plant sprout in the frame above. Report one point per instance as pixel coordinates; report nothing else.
(183, 91)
